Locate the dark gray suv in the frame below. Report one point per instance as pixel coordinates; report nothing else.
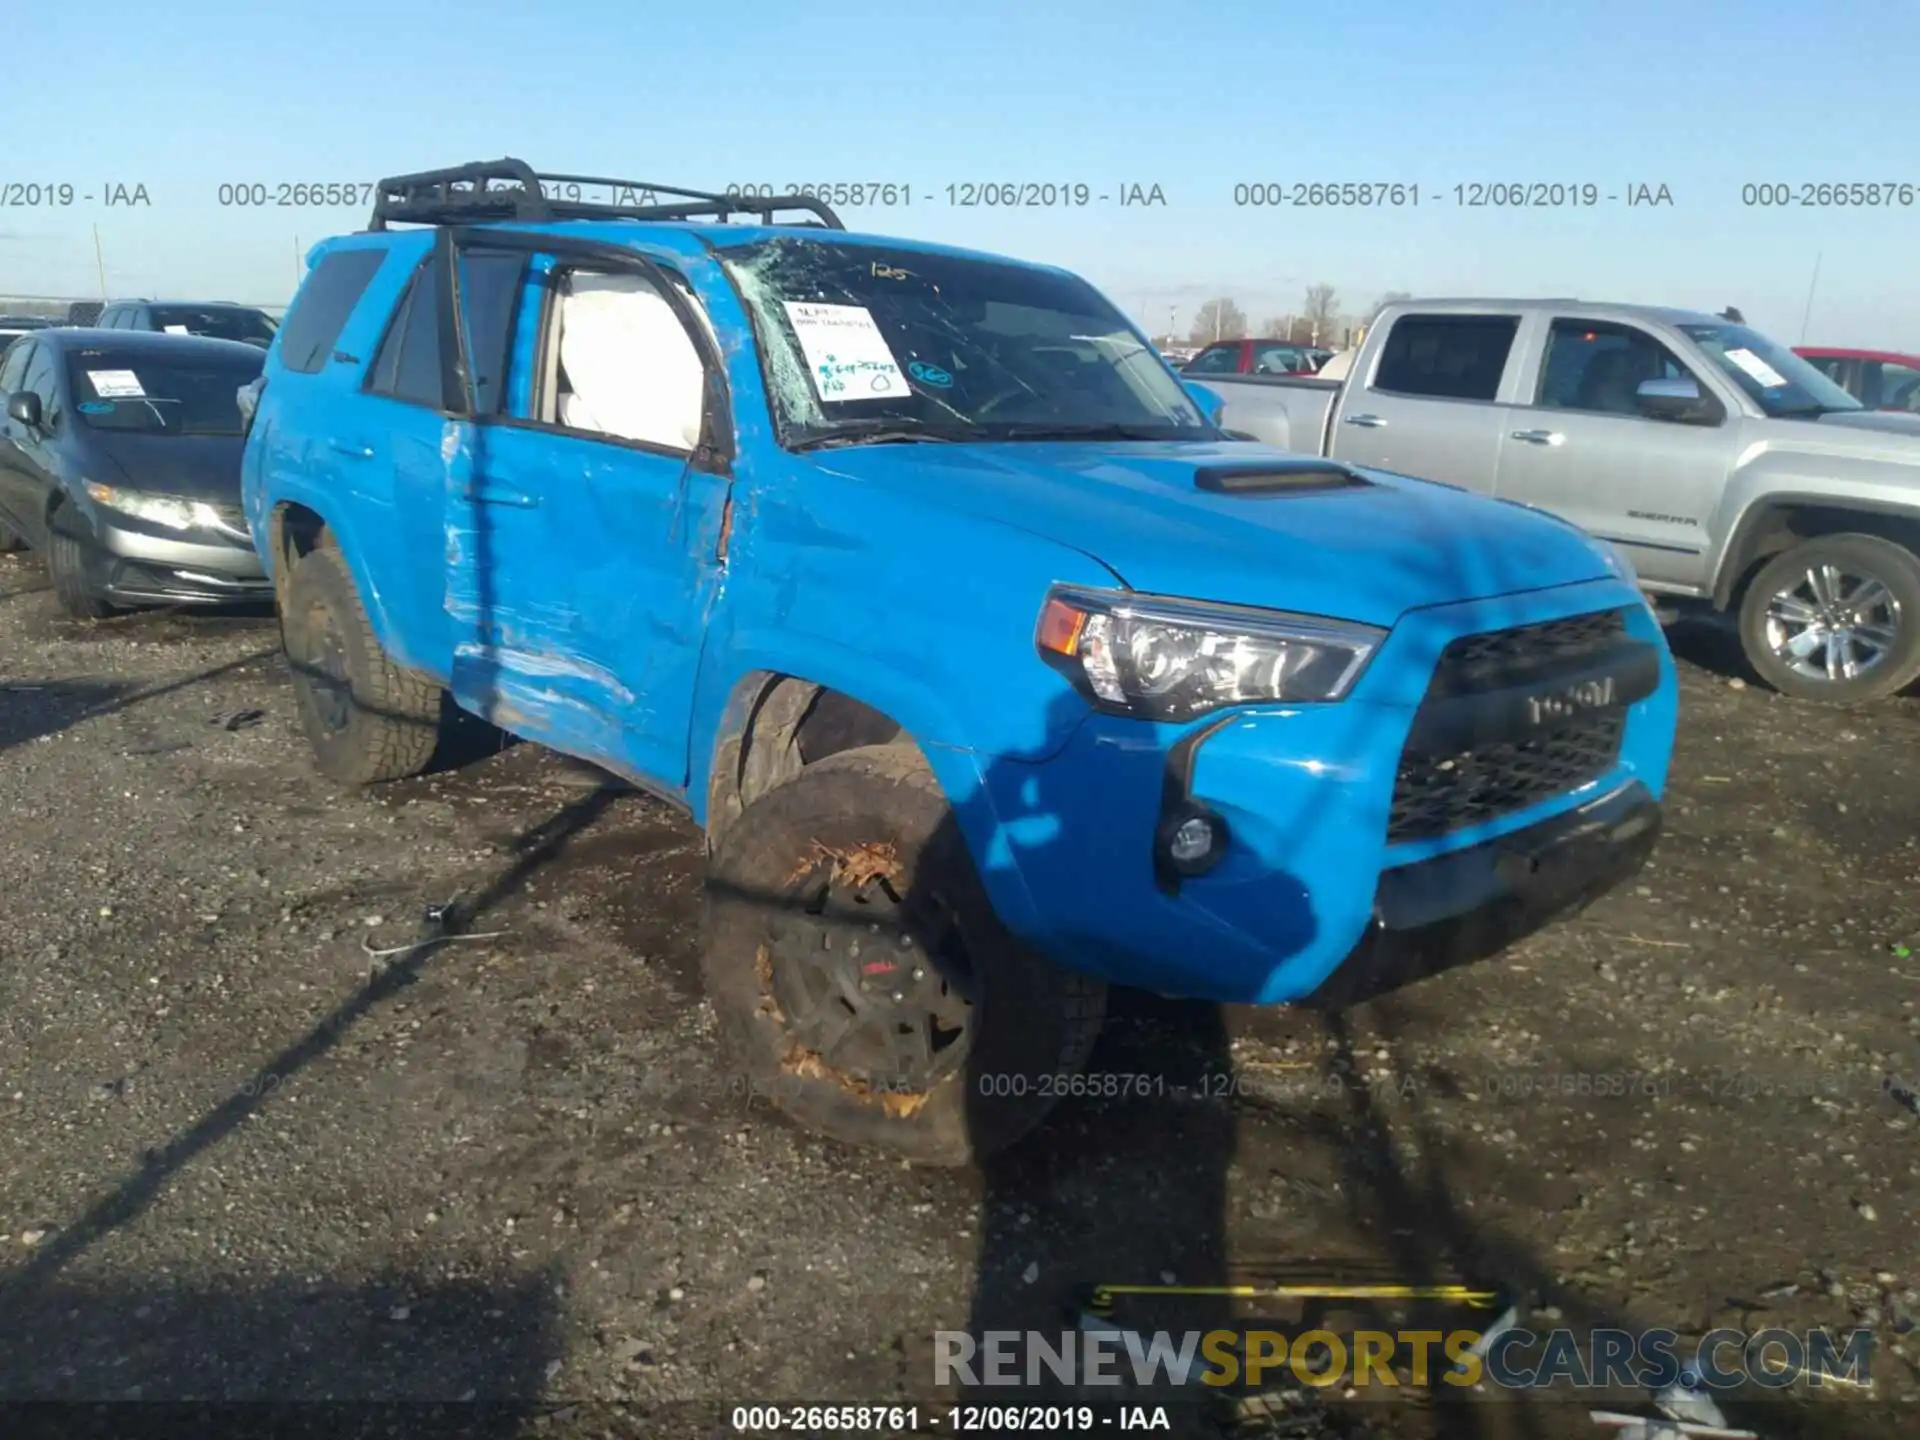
(215, 319)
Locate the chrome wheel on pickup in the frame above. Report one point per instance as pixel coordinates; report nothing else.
(1835, 619)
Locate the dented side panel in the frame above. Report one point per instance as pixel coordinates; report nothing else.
(579, 572)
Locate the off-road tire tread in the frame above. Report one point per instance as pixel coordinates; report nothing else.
(398, 715)
(1052, 1028)
(1894, 563)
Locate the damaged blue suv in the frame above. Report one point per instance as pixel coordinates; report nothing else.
(993, 670)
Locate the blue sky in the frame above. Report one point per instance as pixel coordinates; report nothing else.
(1702, 97)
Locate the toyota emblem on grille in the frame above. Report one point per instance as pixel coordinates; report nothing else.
(1573, 700)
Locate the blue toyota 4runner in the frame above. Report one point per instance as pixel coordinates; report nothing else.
(993, 670)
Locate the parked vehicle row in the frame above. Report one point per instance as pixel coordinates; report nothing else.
(217, 320)
(994, 670)
(120, 463)
(1732, 472)
(1257, 357)
(12, 327)
(1878, 379)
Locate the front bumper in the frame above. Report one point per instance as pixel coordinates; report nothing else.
(1309, 880)
(133, 563)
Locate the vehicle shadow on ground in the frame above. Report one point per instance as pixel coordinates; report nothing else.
(32, 1287)
(376, 1358)
(30, 711)
(1712, 642)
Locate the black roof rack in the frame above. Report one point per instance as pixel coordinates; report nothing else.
(509, 189)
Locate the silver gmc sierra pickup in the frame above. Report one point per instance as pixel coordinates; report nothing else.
(1728, 470)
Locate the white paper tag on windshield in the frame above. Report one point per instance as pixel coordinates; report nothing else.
(847, 355)
(1769, 378)
(174, 329)
(116, 384)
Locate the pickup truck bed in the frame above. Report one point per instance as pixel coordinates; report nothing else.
(1285, 410)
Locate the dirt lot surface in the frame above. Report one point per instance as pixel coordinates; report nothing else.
(244, 1159)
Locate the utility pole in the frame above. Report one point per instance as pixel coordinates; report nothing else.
(100, 261)
(1807, 319)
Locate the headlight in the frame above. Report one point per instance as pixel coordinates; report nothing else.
(169, 510)
(1161, 659)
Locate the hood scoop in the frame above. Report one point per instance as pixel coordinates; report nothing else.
(1307, 475)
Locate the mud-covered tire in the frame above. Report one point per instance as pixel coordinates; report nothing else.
(10, 540)
(367, 719)
(67, 569)
(1771, 605)
(873, 822)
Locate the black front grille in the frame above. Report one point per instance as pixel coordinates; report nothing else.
(1434, 795)
(1484, 662)
(1438, 792)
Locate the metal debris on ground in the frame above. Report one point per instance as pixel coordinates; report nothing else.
(440, 921)
(238, 719)
(1904, 1095)
(1686, 1401)
(1640, 1427)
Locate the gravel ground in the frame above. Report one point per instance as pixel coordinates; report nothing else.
(247, 1160)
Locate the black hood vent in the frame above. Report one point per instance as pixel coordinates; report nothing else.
(1306, 475)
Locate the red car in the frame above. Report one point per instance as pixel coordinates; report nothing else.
(1878, 379)
(1256, 357)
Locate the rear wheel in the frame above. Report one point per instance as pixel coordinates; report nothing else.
(67, 568)
(1835, 619)
(367, 719)
(863, 983)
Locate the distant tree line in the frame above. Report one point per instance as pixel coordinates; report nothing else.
(1319, 321)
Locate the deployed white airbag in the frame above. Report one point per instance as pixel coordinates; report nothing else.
(630, 369)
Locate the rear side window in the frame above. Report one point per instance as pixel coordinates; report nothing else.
(13, 367)
(490, 289)
(408, 365)
(216, 322)
(1222, 360)
(1891, 387)
(1448, 357)
(1277, 360)
(320, 311)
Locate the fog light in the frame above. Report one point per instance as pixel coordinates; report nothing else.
(1192, 841)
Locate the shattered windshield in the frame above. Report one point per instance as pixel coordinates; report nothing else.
(865, 345)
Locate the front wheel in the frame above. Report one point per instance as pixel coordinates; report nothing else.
(67, 568)
(1835, 619)
(864, 986)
